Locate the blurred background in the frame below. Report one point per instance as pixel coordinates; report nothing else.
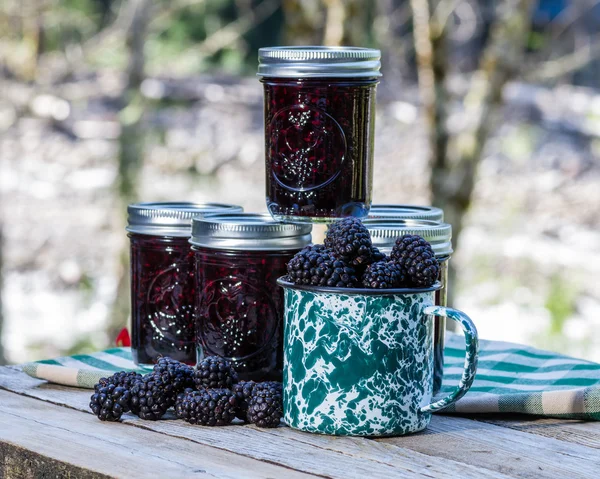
(487, 108)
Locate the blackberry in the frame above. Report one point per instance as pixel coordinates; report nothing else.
(349, 238)
(370, 256)
(417, 259)
(214, 372)
(318, 266)
(208, 407)
(122, 378)
(265, 407)
(152, 396)
(181, 376)
(110, 401)
(382, 275)
(243, 391)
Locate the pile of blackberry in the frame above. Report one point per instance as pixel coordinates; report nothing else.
(348, 259)
(209, 394)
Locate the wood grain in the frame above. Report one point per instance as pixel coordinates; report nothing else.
(580, 432)
(320, 455)
(80, 440)
(515, 453)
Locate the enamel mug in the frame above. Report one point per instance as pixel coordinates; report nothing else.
(359, 362)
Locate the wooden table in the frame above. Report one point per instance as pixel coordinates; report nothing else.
(48, 431)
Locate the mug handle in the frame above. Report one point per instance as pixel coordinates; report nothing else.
(472, 349)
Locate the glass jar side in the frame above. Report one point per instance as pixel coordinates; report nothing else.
(162, 299)
(240, 309)
(319, 138)
(439, 327)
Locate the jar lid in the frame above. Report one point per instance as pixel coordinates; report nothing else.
(319, 61)
(406, 212)
(384, 233)
(170, 218)
(248, 231)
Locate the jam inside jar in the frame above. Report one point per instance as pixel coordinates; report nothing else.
(163, 299)
(163, 288)
(239, 258)
(319, 110)
(240, 309)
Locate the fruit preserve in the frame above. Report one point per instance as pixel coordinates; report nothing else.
(163, 292)
(384, 233)
(239, 258)
(319, 130)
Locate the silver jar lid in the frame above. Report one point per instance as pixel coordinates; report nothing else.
(249, 232)
(170, 218)
(319, 62)
(384, 233)
(406, 212)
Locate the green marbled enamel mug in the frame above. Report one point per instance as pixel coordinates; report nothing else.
(359, 362)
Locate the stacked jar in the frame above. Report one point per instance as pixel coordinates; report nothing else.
(163, 293)
(385, 231)
(319, 131)
(238, 259)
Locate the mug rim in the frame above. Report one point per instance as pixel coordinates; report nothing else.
(284, 283)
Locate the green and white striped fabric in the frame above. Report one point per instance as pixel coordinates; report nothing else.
(519, 379)
(84, 370)
(511, 378)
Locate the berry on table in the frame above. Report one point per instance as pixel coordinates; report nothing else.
(265, 407)
(208, 407)
(109, 402)
(179, 375)
(151, 397)
(214, 372)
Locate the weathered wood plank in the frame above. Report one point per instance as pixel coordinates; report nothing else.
(332, 457)
(580, 432)
(496, 448)
(72, 438)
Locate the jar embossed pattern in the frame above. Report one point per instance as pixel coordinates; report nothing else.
(238, 259)
(319, 130)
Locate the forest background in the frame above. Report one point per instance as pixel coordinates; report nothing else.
(489, 109)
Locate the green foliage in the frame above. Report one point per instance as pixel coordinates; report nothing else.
(560, 302)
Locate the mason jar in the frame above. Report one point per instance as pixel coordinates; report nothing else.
(162, 279)
(319, 110)
(384, 233)
(238, 259)
(406, 212)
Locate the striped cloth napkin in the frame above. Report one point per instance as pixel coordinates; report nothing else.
(511, 378)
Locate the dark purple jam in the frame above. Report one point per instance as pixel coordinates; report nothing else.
(319, 146)
(240, 309)
(163, 297)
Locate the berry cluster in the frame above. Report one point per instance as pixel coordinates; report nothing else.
(348, 259)
(209, 394)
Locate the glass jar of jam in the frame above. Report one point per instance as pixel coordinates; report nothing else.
(319, 130)
(384, 233)
(406, 212)
(239, 258)
(162, 279)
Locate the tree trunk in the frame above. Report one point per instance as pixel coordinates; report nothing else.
(454, 161)
(2, 357)
(131, 152)
(304, 22)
